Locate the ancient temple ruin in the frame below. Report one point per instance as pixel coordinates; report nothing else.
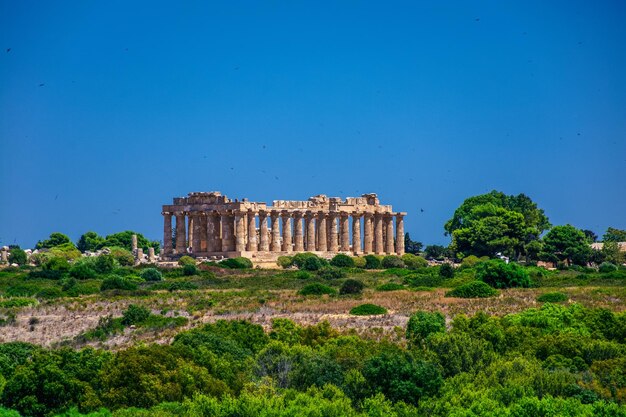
(209, 224)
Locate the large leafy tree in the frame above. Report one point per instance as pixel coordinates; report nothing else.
(495, 222)
(411, 246)
(567, 244)
(614, 235)
(124, 239)
(55, 239)
(90, 241)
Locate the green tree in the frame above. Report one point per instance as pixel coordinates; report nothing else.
(590, 235)
(412, 246)
(422, 324)
(611, 252)
(124, 240)
(568, 244)
(499, 274)
(489, 223)
(90, 241)
(437, 252)
(614, 235)
(55, 239)
(18, 256)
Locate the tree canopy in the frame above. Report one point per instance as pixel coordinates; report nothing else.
(494, 222)
(568, 244)
(614, 235)
(55, 239)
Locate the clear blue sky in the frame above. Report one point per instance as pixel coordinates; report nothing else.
(110, 109)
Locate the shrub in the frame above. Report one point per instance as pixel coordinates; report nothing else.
(422, 324)
(189, 270)
(115, 282)
(66, 250)
(48, 293)
(186, 260)
(359, 262)
(284, 261)
(413, 261)
(342, 261)
(134, 315)
(372, 262)
(104, 264)
(312, 263)
(239, 262)
(57, 263)
(552, 297)
(330, 272)
(390, 286)
(470, 261)
(18, 256)
(499, 274)
(299, 258)
(446, 270)
(316, 289)
(474, 289)
(423, 280)
(368, 310)
(151, 274)
(302, 275)
(82, 270)
(181, 286)
(392, 261)
(607, 267)
(351, 286)
(122, 256)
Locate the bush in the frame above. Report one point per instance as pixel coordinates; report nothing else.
(351, 286)
(82, 270)
(284, 261)
(316, 289)
(372, 262)
(189, 270)
(312, 263)
(18, 256)
(302, 275)
(342, 261)
(359, 262)
(422, 324)
(607, 267)
(57, 263)
(392, 261)
(122, 256)
(299, 258)
(67, 251)
(552, 297)
(474, 289)
(499, 274)
(446, 271)
(239, 262)
(134, 315)
(368, 310)
(413, 261)
(115, 282)
(186, 260)
(181, 286)
(423, 280)
(470, 261)
(151, 274)
(49, 293)
(104, 264)
(390, 286)
(330, 272)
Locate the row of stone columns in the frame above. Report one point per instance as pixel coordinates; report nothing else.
(313, 231)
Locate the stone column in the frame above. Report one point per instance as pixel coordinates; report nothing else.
(203, 231)
(167, 233)
(252, 243)
(298, 234)
(389, 243)
(139, 256)
(287, 241)
(275, 246)
(264, 241)
(400, 234)
(195, 235)
(334, 236)
(228, 238)
(368, 232)
(151, 256)
(356, 233)
(181, 233)
(321, 232)
(213, 243)
(4, 256)
(310, 231)
(133, 243)
(189, 230)
(345, 233)
(240, 237)
(378, 234)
